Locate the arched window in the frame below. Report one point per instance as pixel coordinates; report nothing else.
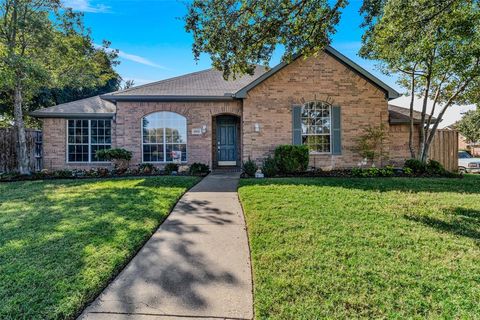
(164, 137)
(316, 126)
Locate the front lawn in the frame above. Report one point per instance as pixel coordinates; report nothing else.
(370, 248)
(61, 241)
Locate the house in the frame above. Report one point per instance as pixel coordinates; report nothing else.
(325, 101)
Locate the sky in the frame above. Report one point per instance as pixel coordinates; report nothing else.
(154, 45)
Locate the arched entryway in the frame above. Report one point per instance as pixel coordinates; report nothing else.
(226, 137)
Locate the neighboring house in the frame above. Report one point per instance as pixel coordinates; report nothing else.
(325, 102)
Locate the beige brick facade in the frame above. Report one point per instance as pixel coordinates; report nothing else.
(269, 105)
(318, 78)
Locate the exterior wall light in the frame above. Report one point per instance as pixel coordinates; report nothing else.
(256, 127)
(204, 129)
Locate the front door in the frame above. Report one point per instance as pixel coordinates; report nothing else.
(226, 141)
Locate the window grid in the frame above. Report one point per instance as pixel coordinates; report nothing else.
(316, 127)
(85, 137)
(162, 133)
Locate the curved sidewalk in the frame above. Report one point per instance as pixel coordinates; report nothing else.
(196, 265)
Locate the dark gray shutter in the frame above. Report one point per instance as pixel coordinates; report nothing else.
(336, 130)
(297, 125)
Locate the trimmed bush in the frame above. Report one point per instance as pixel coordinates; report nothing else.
(269, 167)
(435, 167)
(198, 168)
(291, 159)
(119, 156)
(417, 166)
(170, 167)
(250, 167)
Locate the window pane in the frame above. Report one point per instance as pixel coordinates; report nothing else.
(316, 126)
(162, 128)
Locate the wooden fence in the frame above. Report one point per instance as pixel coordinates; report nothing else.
(8, 149)
(444, 149)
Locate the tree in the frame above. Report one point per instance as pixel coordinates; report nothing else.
(42, 46)
(435, 48)
(237, 34)
(469, 126)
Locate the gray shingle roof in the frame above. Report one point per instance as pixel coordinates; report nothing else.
(402, 115)
(207, 83)
(94, 107)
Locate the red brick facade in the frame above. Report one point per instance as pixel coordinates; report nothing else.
(268, 105)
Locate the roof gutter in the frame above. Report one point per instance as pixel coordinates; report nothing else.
(162, 98)
(39, 114)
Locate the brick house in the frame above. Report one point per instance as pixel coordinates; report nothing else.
(324, 101)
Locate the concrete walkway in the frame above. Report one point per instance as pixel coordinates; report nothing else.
(196, 265)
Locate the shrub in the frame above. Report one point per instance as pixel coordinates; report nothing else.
(269, 167)
(146, 168)
(119, 156)
(435, 167)
(417, 166)
(198, 168)
(387, 171)
(291, 159)
(250, 167)
(170, 168)
(366, 172)
(407, 171)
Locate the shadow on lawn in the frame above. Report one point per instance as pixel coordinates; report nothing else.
(469, 184)
(458, 221)
(62, 246)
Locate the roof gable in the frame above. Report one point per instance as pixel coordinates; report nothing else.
(389, 91)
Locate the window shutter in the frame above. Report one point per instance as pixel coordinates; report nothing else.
(297, 125)
(336, 130)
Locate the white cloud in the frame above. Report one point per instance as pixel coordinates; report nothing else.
(135, 58)
(85, 6)
(139, 59)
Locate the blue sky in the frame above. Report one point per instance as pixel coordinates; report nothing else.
(154, 45)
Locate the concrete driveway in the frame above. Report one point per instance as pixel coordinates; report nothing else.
(196, 265)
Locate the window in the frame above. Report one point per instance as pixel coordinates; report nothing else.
(316, 126)
(85, 137)
(164, 137)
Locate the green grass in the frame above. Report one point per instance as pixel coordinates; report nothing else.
(364, 248)
(61, 241)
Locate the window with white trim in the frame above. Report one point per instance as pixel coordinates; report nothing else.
(316, 126)
(164, 137)
(86, 137)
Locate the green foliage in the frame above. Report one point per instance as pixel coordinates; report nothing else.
(317, 243)
(114, 154)
(417, 166)
(269, 167)
(469, 126)
(387, 171)
(170, 168)
(407, 171)
(371, 144)
(434, 47)
(250, 167)
(435, 167)
(63, 241)
(291, 159)
(199, 169)
(238, 34)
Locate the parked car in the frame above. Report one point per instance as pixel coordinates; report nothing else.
(467, 163)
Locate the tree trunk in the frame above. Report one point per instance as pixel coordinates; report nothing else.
(22, 157)
(412, 102)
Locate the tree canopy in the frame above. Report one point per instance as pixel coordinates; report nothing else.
(434, 46)
(237, 34)
(469, 126)
(44, 47)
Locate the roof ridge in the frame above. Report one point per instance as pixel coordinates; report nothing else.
(160, 81)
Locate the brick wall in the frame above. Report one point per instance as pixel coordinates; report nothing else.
(399, 150)
(317, 78)
(198, 114)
